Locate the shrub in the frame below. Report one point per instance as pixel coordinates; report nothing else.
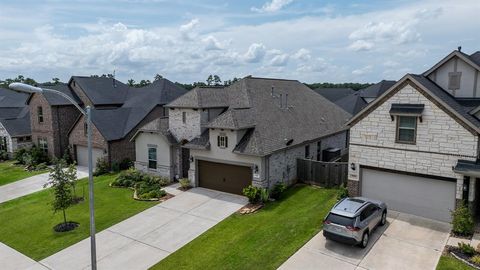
(462, 221)
(38, 155)
(102, 167)
(252, 193)
(129, 178)
(115, 167)
(3, 155)
(466, 249)
(18, 155)
(476, 259)
(264, 195)
(125, 164)
(164, 181)
(184, 183)
(41, 166)
(277, 190)
(343, 192)
(67, 156)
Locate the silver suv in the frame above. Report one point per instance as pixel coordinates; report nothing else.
(352, 220)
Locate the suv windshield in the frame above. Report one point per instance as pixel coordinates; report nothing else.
(340, 220)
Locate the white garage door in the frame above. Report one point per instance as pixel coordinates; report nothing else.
(82, 155)
(426, 197)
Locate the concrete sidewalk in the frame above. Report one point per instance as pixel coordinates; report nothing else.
(148, 237)
(14, 260)
(30, 185)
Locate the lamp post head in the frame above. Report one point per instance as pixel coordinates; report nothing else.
(21, 87)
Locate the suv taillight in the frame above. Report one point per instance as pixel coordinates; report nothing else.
(353, 229)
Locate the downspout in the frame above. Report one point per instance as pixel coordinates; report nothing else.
(267, 170)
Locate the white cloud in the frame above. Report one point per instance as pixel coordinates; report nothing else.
(255, 53)
(187, 29)
(302, 54)
(362, 71)
(361, 45)
(279, 60)
(272, 6)
(211, 43)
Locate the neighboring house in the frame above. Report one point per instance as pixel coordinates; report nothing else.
(370, 93)
(15, 129)
(334, 94)
(250, 132)
(117, 113)
(51, 116)
(416, 146)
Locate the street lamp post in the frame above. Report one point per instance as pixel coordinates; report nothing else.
(21, 87)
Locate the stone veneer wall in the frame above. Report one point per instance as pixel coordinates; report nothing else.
(188, 130)
(440, 142)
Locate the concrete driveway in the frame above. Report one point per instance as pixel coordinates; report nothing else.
(148, 237)
(30, 185)
(405, 242)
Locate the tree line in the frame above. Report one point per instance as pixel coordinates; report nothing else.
(212, 80)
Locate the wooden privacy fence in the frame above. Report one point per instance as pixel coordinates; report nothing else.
(325, 174)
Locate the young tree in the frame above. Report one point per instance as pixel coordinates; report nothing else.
(131, 82)
(217, 80)
(60, 181)
(210, 80)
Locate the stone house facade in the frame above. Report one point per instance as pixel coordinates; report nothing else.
(225, 133)
(435, 169)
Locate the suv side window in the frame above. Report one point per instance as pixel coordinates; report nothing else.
(368, 211)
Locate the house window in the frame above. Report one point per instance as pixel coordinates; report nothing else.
(454, 80)
(319, 150)
(40, 114)
(85, 129)
(184, 117)
(222, 141)
(152, 157)
(28, 138)
(307, 151)
(43, 145)
(406, 129)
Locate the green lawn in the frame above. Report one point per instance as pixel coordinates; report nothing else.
(450, 263)
(26, 223)
(10, 173)
(263, 240)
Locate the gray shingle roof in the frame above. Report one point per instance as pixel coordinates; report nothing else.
(334, 94)
(202, 97)
(373, 91)
(309, 115)
(57, 100)
(103, 91)
(116, 123)
(234, 119)
(352, 103)
(475, 57)
(12, 99)
(200, 142)
(159, 126)
(19, 125)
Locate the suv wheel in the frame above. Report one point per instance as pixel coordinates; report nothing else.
(365, 239)
(383, 221)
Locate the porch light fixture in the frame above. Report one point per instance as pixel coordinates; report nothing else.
(25, 88)
(191, 159)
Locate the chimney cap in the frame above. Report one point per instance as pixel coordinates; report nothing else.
(459, 48)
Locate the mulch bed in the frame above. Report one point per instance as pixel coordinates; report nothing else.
(184, 189)
(135, 197)
(250, 208)
(461, 236)
(66, 227)
(458, 254)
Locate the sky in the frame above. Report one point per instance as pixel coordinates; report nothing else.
(185, 41)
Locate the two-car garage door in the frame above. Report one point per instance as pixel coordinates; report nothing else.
(224, 177)
(426, 197)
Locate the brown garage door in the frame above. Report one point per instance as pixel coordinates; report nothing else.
(224, 177)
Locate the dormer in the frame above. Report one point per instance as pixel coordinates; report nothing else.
(458, 74)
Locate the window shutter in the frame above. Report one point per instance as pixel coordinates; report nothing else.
(218, 141)
(226, 141)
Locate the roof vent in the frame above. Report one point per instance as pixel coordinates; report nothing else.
(459, 48)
